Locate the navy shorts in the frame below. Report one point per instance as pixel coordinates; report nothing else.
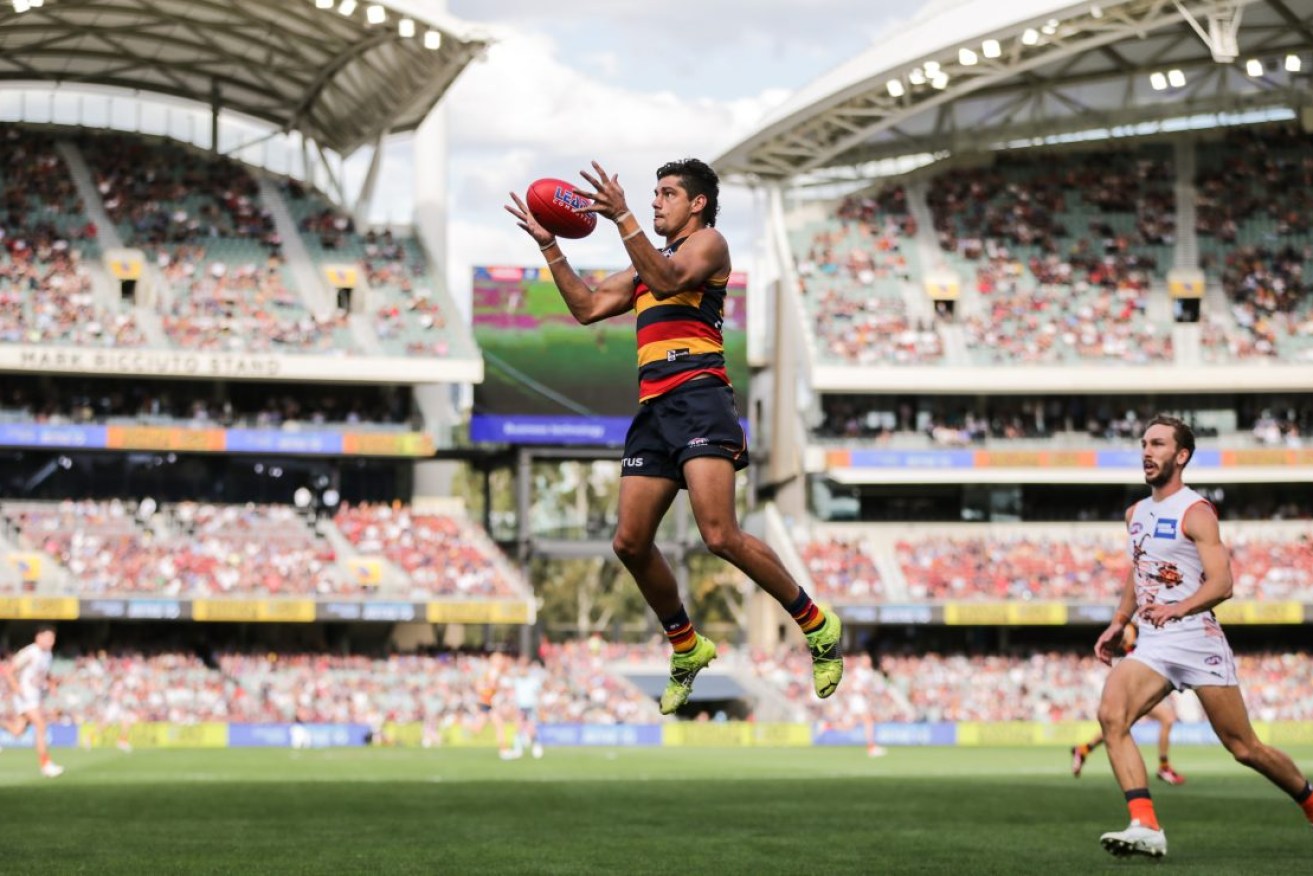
(697, 419)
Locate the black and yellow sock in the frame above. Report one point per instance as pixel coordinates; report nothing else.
(680, 632)
(806, 613)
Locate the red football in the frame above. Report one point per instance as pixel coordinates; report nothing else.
(552, 203)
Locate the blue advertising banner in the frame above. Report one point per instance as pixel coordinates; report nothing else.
(57, 736)
(39, 435)
(939, 733)
(600, 734)
(540, 429)
(296, 735)
(278, 441)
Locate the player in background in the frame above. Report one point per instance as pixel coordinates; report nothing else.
(1180, 571)
(686, 434)
(489, 708)
(527, 684)
(120, 716)
(28, 675)
(1163, 713)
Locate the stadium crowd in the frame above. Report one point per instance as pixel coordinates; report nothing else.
(439, 690)
(206, 550)
(46, 294)
(90, 400)
(440, 554)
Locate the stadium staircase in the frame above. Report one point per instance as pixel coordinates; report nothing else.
(315, 295)
(94, 206)
(932, 258)
(392, 580)
(1187, 338)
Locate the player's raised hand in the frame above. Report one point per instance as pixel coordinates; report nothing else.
(607, 197)
(1109, 643)
(526, 221)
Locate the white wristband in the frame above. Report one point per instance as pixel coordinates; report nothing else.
(547, 246)
(637, 231)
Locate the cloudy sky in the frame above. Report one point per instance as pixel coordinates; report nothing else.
(632, 85)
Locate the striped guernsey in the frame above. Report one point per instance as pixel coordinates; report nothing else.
(679, 337)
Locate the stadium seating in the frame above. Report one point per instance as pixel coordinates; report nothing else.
(46, 242)
(441, 555)
(854, 264)
(410, 313)
(1062, 252)
(1255, 236)
(206, 550)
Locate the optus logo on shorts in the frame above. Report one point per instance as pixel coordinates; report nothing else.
(632, 462)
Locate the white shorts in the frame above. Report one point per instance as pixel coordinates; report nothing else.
(26, 701)
(1188, 661)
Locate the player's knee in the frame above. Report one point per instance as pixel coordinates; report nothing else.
(1245, 753)
(721, 540)
(628, 548)
(1113, 719)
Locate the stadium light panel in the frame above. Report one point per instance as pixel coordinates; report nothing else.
(1254, 67)
(1096, 11)
(1158, 81)
(966, 57)
(406, 27)
(991, 49)
(940, 81)
(376, 14)
(1029, 36)
(347, 7)
(36, 4)
(433, 40)
(916, 77)
(931, 68)
(324, 4)
(1175, 78)
(21, 6)
(1293, 63)
(895, 87)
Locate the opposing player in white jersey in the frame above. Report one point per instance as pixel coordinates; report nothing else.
(1180, 571)
(28, 675)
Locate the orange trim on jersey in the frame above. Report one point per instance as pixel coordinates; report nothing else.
(657, 350)
(646, 300)
(1185, 513)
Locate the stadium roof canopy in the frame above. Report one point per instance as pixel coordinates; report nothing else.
(969, 75)
(341, 75)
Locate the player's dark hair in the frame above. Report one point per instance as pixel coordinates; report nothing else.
(44, 628)
(1181, 432)
(698, 179)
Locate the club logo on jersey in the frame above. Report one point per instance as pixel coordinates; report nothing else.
(1165, 528)
(1213, 660)
(672, 355)
(1137, 527)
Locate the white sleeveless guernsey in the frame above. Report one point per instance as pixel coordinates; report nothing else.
(1166, 564)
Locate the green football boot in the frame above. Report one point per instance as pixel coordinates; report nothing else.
(683, 669)
(827, 657)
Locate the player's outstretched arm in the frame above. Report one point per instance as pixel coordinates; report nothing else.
(612, 297)
(1201, 527)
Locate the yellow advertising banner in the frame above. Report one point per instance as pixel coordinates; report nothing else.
(156, 734)
(992, 614)
(301, 611)
(39, 607)
(1251, 612)
(477, 613)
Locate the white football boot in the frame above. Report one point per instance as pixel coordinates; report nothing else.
(1136, 839)
(51, 770)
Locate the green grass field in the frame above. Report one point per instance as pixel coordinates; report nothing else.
(625, 811)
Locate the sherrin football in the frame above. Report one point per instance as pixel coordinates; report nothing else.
(552, 203)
